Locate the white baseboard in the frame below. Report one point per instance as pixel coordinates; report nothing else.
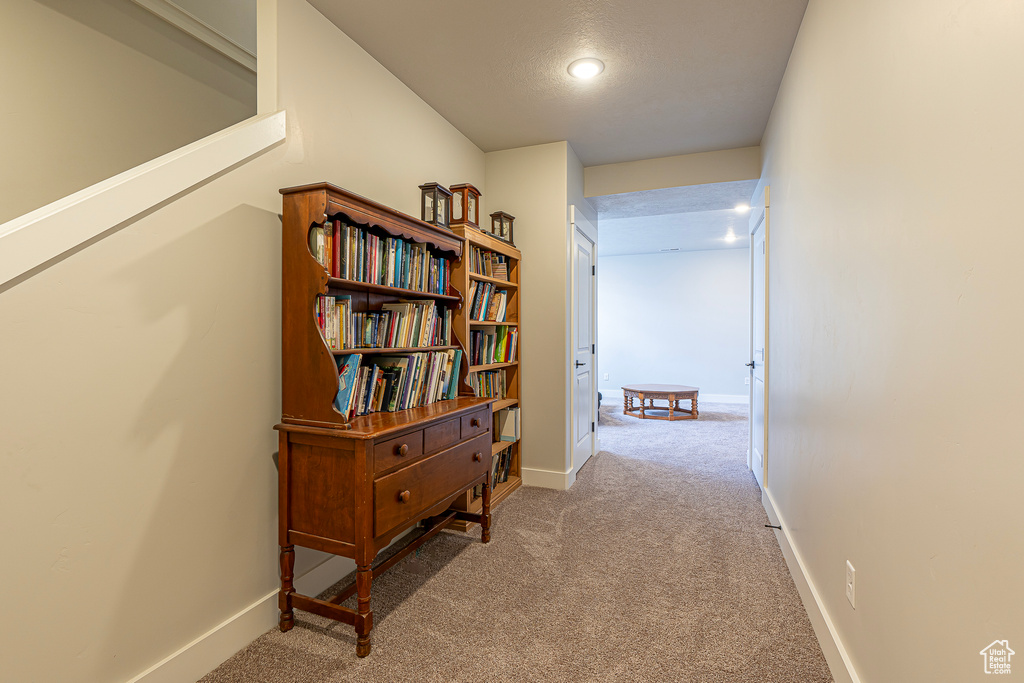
(615, 396)
(831, 646)
(723, 398)
(547, 479)
(208, 651)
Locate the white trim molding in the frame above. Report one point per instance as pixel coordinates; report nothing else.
(548, 479)
(34, 239)
(616, 396)
(210, 650)
(832, 647)
(200, 30)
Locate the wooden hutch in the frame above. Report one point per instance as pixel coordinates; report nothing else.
(350, 485)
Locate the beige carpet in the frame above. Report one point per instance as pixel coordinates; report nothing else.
(655, 566)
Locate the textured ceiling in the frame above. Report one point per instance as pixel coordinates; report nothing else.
(693, 218)
(681, 76)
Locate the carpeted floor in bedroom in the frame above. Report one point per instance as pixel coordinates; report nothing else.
(654, 566)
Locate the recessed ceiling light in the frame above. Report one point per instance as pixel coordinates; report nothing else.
(730, 236)
(742, 208)
(587, 67)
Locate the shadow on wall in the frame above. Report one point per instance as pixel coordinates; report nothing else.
(199, 525)
(144, 32)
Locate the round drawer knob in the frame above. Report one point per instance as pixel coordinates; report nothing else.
(402, 450)
(475, 422)
(403, 497)
(476, 457)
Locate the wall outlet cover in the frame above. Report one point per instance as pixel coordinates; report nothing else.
(851, 584)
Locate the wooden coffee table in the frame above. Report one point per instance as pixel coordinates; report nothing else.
(673, 393)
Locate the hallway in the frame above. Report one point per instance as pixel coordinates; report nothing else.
(655, 566)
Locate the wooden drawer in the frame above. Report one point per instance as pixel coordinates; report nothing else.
(476, 423)
(427, 482)
(388, 454)
(440, 436)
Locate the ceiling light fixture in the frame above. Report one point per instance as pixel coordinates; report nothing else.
(742, 208)
(588, 67)
(730, 236)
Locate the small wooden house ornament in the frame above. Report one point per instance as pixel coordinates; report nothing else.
(465, 205)
(501, 226)
(434, 204)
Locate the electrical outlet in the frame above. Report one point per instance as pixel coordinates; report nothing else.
(746, 380)
(606, 375)
(851, 584)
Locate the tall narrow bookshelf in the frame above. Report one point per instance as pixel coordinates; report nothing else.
(480, 269)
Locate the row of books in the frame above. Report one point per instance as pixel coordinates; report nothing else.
(369, 384)
(402, 324)
(484, 262)
(501, 465)
(487, 302)
(351, 253)
(489, 384)
(493, 346)
(507, 424)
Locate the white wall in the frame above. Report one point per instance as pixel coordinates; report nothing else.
(94, 88)
(701, 168)
(141, 382)
(530, 183)
(675, 318)
(894, 158)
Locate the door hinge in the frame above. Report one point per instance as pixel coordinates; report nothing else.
(591, 426)
(593, 270)
(593, 348)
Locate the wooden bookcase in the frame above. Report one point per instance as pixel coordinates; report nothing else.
(351, 486)
(463, 279)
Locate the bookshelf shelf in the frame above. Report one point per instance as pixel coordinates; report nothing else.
(500, 493)
(503, 284)
(504, 403)
(491, 253)
(492, 366)
(499, 446)
(350, 483)
(382, 351)
(338, 283)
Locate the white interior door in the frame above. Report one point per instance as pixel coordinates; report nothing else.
(583, 344)
(758, 458)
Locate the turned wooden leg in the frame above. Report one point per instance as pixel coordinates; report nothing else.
(693, 407)
(485, 525)
(364, 577)
(672, 405)
(642, 407)
(287, 619)
(627, 403)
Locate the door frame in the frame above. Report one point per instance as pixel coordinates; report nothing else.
(578, 221)
(758, 207)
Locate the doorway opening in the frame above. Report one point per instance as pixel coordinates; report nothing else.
(674, 302)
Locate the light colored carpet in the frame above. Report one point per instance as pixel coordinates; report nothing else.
(654, 566)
